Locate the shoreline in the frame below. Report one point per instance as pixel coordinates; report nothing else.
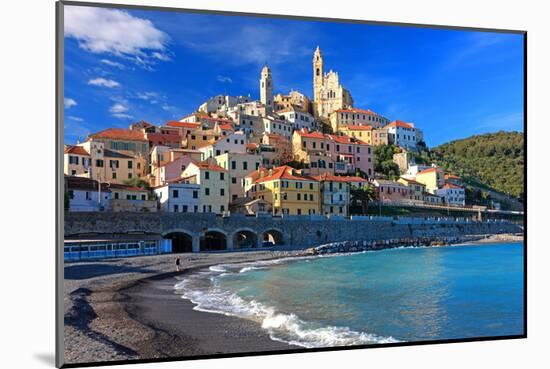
(137, 314)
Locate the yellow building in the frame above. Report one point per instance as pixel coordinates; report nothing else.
(214, 182)
(238, 165)
(126, 141)
(92, 160)
(417, 189)
(370, 135)
(433, 178)
(289, 192)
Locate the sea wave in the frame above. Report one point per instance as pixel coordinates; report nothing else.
(207, 296)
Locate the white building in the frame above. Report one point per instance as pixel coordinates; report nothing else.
(222, 103)
(452, 194)
(232, 143)
(403, 134)
(179, 196)
(85, 194)
(278, 126)
(299, 119)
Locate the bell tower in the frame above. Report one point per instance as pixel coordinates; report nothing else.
(266, 88)
(317, 74)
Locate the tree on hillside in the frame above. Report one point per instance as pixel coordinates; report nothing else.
(140, 183)
(364, 195)
(383, 161)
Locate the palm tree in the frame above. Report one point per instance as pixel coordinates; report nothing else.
(364, 195)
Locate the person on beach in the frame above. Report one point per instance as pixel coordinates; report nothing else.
(178, 264)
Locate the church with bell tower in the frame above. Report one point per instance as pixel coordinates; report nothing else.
(328, 94)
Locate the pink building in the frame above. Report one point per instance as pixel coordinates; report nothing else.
(171, 171)
(350, 154)
(391, 191)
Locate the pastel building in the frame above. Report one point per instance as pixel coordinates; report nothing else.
(126, 141)
(92, 160)
(289, 192)
(370, 135)
(432, 177)
(391, 191)
(180, 195)
(298, 119)
(87, 194)
(294, 99)
(417, 189)
(234, 142)
(356, 117)
(238, 165)
(172, 170)
(452, 195)
(214, 184)
(278, 126)
(403, 134)
(334, 194)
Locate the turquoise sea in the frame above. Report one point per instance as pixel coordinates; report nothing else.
(405, 294)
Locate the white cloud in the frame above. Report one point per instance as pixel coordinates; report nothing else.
(224, 79)
(118, 108)
(115, 32)
(104, 82)
(69, 103)
(113, 63)
(123, 116)
(76, 119)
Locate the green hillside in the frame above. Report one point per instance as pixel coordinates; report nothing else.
(494, 161)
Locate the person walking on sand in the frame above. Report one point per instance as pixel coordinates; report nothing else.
(178, 264)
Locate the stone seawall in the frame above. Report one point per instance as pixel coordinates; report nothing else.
(301, 230)
(358, 246)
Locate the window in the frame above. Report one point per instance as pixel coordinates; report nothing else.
(114, 175)
(195, 194)
(298, 197)
(222, 176)
(310, 197)
(99, 163)
(299, 211)
(88, 196)
(233, 165)
(74, 160)
(245, 165)
(222, 192)
(175, 208)
(116, 195)
(207, 191)
(143, 197)
(234, 180)
(206, 175)
(184, 208)
(129, 175)
(175, 193)
(311, 186)
(196, 208)
(130, 164)
(222, 208)
(73, 172)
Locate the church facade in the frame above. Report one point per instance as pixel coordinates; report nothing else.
(328, 94)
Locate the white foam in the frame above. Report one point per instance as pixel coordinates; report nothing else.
(282, 327)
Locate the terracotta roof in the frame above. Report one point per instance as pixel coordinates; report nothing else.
(346, 140)
(400, 123)
(182, 124)
(356, 110)
(207, 166)
(76, 150)
(227, 126)
(451, 176)
(333, 178)
(429, 170)
(254, 175)
(305, 133)
(284, 172)
(450, 185)
(120, 134)
(252, 146)
(412, 181)
(366, 127)
(218, 120)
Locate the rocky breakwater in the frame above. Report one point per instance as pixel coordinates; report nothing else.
(359, 246)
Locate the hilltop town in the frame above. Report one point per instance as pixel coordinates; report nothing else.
(281, 155)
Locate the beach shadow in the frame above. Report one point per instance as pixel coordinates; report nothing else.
(85, 271)
(45, 358)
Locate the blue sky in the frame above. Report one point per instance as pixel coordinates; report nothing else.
(123, 66)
